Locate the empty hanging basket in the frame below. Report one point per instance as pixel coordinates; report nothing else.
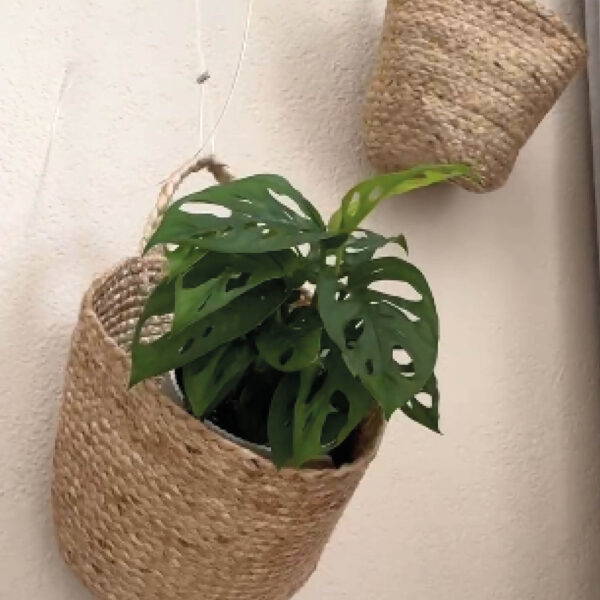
(149, 503)
(466, 81)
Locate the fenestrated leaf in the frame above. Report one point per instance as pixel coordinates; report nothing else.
(237, 318)
(161, 300)
(281, 415)
(293, 344)
(370, 326)
(259, 220)
(314, 411)
(350, 401)
(182, 258)
(364, 197)
(282, 187)
(426, 415)
(210, 378)
(362, 245)
(218, 279)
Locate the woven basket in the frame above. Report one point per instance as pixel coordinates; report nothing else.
(149, 503)
(466, 81)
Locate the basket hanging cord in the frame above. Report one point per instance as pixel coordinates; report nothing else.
(211, 138)
(217, 169)
(199, 161)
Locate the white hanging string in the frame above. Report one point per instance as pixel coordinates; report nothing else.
(204, 74)
(211, 138)
(62, 90)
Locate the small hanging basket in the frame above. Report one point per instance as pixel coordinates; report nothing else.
(149, 503)
(466, 81)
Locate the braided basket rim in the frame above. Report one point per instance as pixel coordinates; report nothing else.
(550, 15)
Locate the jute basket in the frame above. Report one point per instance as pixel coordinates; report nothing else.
(149, 503)
(466, 81)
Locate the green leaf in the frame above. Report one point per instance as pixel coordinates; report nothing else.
(281, 416)
(364, 197)
(350, 401)
(362, 245)
(282, 187)
(218, 279)
(373, 328)
(294, 344)
(427, 415)
(161, 300)
(210, 378)
(178, 348)
(259, 219)
(182, 259)
(314, 411)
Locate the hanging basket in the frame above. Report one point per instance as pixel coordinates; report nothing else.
(466, 81)
(151, 504)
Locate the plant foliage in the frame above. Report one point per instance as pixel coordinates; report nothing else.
(248, 342)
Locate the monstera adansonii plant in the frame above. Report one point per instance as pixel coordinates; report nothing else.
(270, 361)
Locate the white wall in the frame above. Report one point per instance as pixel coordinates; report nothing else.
(506, 505)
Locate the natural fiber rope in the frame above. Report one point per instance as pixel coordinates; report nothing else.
(150, 504)
(218, 170)
(466, 81)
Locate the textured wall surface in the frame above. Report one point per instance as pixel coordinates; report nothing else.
(504, 506)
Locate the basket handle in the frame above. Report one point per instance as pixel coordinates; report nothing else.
(217, 169)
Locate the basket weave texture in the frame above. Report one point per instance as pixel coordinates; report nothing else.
(466, 81)
(150, 504)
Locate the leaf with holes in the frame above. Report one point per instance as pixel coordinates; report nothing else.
(428, 414)
(294, 344)
(160, 302)
(364, 197)
(264, 213)
(182, 259)
(351, 402)
(281, 414)
(362, 245)
(374, 329)
(218, 279)
(178, 348)
(210, 378)
(314, 410)
(162, 299)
